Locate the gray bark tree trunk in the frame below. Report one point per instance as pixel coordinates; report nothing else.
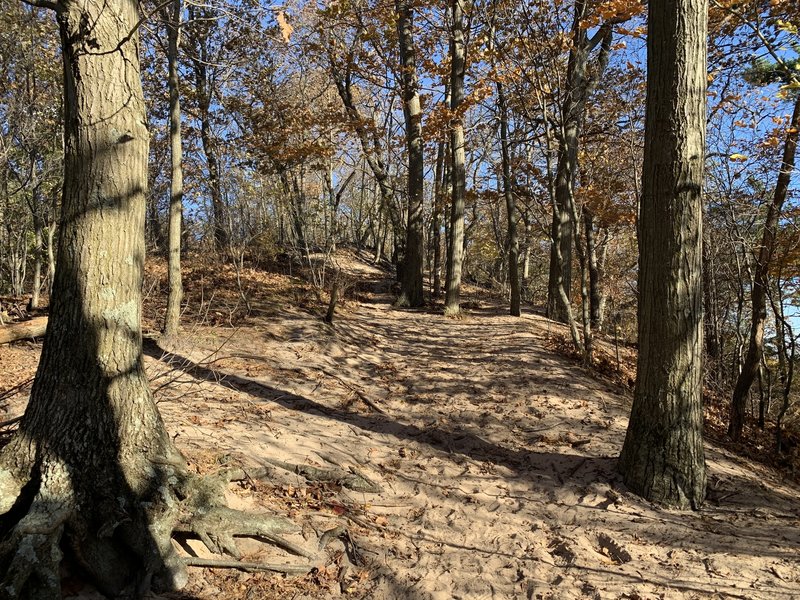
(219, 209)
(455, 250)
(511, 206)
(579, 86)
(51, 253)
(758, 291)
(411, 290)
(593, 264)
(175, 295)
(662, 458)
(711, 318)
(91, 443)
(436, 220)
(38, 239)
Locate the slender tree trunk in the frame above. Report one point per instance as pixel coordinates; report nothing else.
(455, 251)
(436, 220)
(595, 289)
(411, 290)
(764, 393)
(511, 206)
(711, 334)
(526, 257)
(51, 257)
(91, 441)
(38, 243)
(761, 281)
(175, 295)
(36, 280)
(219, 209)
(35, 186)
(662, 458)
(579, 86)
(586, 321)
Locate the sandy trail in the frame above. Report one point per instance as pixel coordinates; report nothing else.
(496, 457)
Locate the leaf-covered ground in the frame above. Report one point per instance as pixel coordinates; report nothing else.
(495, 454)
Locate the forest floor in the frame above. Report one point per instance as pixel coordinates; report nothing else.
(495, 455)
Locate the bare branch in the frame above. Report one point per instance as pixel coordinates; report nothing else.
(44, 4)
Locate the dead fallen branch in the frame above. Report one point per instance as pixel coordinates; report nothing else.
(353, 480)
(213, 563)
(23, 330)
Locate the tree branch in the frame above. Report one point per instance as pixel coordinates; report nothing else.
(44, 4)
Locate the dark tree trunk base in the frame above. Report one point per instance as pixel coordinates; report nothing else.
(131, 552)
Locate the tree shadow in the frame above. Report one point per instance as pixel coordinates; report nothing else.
(548, 471)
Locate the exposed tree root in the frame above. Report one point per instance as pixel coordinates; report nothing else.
(217, 527)
(132, 551)
(30, 551)
(353, 480)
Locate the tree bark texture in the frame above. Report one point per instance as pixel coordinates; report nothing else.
(758, 292)
(38, 243)
(175, 295)
(411, 290)
(455, 250)
(662, 458)
(91, 446)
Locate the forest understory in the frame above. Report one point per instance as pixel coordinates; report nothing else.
(494, 453)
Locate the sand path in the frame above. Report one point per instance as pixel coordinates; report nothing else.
(496, 457)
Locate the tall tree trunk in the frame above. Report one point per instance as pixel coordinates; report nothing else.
(662, 458)
(219, 209)
(35, 186)
(711, 320)
(175, 295)
(579, 85)
(36, 279)
(51, 257)
(511, 206)
(411, 290)
(458, 175)
(526, 257)
(595, 290)
(38, 242)
(583, 260)
(91, 441)
(758, 291)
(436, 219)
